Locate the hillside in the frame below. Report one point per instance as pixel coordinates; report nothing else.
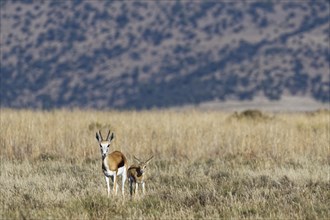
(145, 54)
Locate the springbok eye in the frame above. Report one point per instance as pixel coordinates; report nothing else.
(104, 145)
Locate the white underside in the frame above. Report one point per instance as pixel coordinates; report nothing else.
(112, 174)
(120, 172)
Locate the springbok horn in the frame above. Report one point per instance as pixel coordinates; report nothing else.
(138, 160)
(100, 135)
(108, 135)
(149, 159)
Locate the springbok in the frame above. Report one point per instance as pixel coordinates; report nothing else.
(136, 175)
(114, 164)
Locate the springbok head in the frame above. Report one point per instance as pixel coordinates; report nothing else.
(104, 143)
(142, 164)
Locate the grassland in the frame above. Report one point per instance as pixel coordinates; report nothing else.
(207, 164)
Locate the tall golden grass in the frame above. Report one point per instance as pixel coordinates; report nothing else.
(207, 164)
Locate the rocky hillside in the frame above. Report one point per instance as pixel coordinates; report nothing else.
(145, 54)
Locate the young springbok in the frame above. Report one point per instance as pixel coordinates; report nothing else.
(136, 175)
(114, 164)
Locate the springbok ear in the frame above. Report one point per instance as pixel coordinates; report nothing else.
(98, 138)
(149, 159)
(112, 136)
(137, 159)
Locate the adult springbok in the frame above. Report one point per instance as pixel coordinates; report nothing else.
(136, 175)
(114, 164)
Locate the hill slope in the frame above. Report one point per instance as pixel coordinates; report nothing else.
(161, 54)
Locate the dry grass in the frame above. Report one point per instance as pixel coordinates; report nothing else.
(206, 165)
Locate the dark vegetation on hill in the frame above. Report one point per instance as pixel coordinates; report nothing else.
(112, 54)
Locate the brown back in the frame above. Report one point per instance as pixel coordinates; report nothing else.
(134, 172)
(116, 159)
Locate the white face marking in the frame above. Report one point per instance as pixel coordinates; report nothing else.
(104, 147)
(142, 167)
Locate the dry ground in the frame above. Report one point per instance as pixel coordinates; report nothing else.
(207, 164)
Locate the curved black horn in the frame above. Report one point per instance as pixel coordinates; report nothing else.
(100, 135)
(108, 135)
